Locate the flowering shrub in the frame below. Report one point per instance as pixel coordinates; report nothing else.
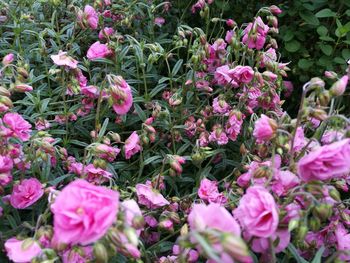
(128, 135)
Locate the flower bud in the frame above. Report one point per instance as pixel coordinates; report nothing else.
(100, 253)
(338, 88)
(334, 193)
(316, 82)
(4, 92)
(6, 101)
(314, 223)
(323, 211)
(324, 98)
(275, 10)
(115, 137)
(293, 224)
(8, 59)
(330, 74)
(318, 114)
(302, 231)
(235, 247)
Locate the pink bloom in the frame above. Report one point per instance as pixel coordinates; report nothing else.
(343, 241)
(257, 212)
(132, 145)
(268, 57)
(83, 212)
(22, 251)
(198, 6)
(96, 175)
(159, 21)
(327, 162)
(6, 164)
(78, 255)
(131, 211)
(288, 88)
(107, 31)
(220, 106)
(121, 96)
(338, 88)
(98, 50)
(107, 152)
(218, 135)
(255, 34)
(262, 245)
(42, 124)
(8, 59)
(150, 197)
(234, 124)
(16, 126)
(26, 193)
(208, 191)
(299, 141)
(212, 216)
(264, 129)
(223, 76)
(284, 181)
(331, 136)
(243, 74)
(229, 35)
(62, 59)
(91, 16)
(90, 91)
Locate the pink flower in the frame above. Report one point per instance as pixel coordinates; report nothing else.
(243, 74)
(223, 76)
(121, 96)
(98, 50)
(234, 124)
(268, 57)
(16, 126)
(62, 59)
(22, 251)
(91, 16)
(264, 129)
(281, 240)
(132, 145)
(327, 162)
(78, 255)
(220, 106)
(42, 124)
(8, 59)
(208, 191)
(107, 31)
(6, 164)
(338, 88)
(255, 34)
(331, 136)
(343, 241)
(131, 211)
(288, 85)
(212, 216)
(299, 141)
(96, 175)
(83, 212)
(159, 21)
(284, 181)
(257, 212)
(150, 197)
(26, 193)
(229, 36)
(218, 135)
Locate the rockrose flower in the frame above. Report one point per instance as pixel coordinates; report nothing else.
(132, 145)
(255, 34)
(326, 162)
(15, 126)
(212, 216)
(243, 74)
(208, 191)
(6, 164)
(62, 59)
(257, 212)
(121, 96)
(8, 59)
(26, 193)
(149, 196)
(223, 76)
(91, 16)
(107, 31)
(22, 251)
(83, 212)
(264, 129)
(98, 50)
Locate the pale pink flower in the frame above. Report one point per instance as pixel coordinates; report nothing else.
(96, 175)
(159, 21)
(8, 59)
(83, 212)
(91, 16)
(280, 238)
(16, 126)
(62, 59)
(6, 164)
(105, 32)
(26, 193)
(243, 74)
(234, 124)
(22, 88)
(131, 211)
(98, 50)
(255, 34)
(264, 129)
(299, 140)
(220, 106)
(22, 251)
(257, 212)
(338, 88)
(268, 57)
(223, 76)
(132, 145)
(326, 162)
(150, 197)
(212, 216)
(331, 136)
(121, 96)
(284, 181)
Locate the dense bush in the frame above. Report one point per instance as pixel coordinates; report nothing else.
(154, 131)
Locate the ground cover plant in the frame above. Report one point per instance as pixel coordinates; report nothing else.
(157, 131)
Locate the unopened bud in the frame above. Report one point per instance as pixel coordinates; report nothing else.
(323, 211)
(100, 253)
(318, 114)
(4, 92)
(338, 88)
(236, 248)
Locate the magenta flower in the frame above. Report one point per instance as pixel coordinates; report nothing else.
(223, 76)
(62, 59)
(6, 164)
(8, 59)
(243, 74)
(121, 96)
(91, 16)
(22, 251)
(105, 32)
(327, 162)
(257, 212)
(26, 193)
(150, 197)
(255, 34)
(16, 126)
(264, 129)
(83, 212)
(208, 191)
(132, 145)
(98, 50)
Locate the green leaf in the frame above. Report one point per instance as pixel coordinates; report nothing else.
(288, 35)
(322, 30)
(345, 53)
(59, 179)
(292, 46)
(177, 67)
(295, 254)
(103, 128)
(309, 18)
(318, 256)
(140, 112)
(152, 159)
(325, 13)
(339, 60)
(326, 49)
(327, 38)
(304, 63)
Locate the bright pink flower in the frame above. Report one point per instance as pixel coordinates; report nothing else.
(255, 34)
(62, 59)
(262, 245)
(218, 135)
(199, 5)
(22, 251)
(106, 152)
(284, 181)
(121, 96)
(8, 59)
(343, 241)
(26, 193)
(257, 212)
(6, 164)
(338, 88)
(207, 189)
(83, 212)
(107, 31)
(212, 216)
(220, 106)
(243, 74)
(223, 77)
(150, 197)
(132, 145)
(16, 126)
(264, 129)
(327, 162)
(91, 16)
(98, 50)
(234, 124)
(78, 255)
(96, 175)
